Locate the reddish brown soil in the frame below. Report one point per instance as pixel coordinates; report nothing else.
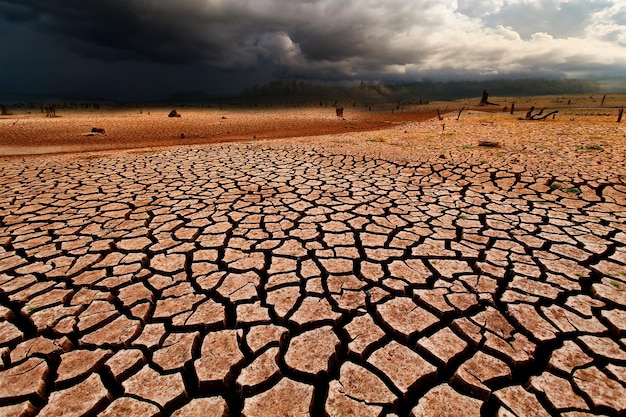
(35, 134)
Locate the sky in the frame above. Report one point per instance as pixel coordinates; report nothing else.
(146, 49)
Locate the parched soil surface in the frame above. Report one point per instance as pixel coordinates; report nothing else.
(128, 129)
(405, 272)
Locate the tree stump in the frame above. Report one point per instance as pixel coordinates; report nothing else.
(484, 101)
(339, 111)
(51, 111)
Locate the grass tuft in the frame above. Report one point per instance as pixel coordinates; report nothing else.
(591, 147)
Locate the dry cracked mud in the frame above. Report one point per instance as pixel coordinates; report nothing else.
(284, 280)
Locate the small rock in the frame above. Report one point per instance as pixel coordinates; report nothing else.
(489, 144)
(173, 113)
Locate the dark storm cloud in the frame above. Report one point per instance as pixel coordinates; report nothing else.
(323, 39)
(17, 12)
(118, 29)
(229, 34)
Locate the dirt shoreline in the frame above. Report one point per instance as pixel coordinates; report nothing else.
(30, 134)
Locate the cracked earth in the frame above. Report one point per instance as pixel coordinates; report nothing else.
(275, 279)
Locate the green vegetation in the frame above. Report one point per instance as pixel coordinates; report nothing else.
(569, 190)
(421, 91)
(377, 140)
(616, 285)
(593, 147)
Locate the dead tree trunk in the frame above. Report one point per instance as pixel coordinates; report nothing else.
(460, 111)
(531, 116)
(51, 110)
(619, 115)
(547, 115)
(484, 101)
(603, 98)
(513, 108)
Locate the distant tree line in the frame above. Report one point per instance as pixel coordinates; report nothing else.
(450, 90)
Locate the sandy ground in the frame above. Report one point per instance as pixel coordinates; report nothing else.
(25, 134)
(323, 268)
(583, 137)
